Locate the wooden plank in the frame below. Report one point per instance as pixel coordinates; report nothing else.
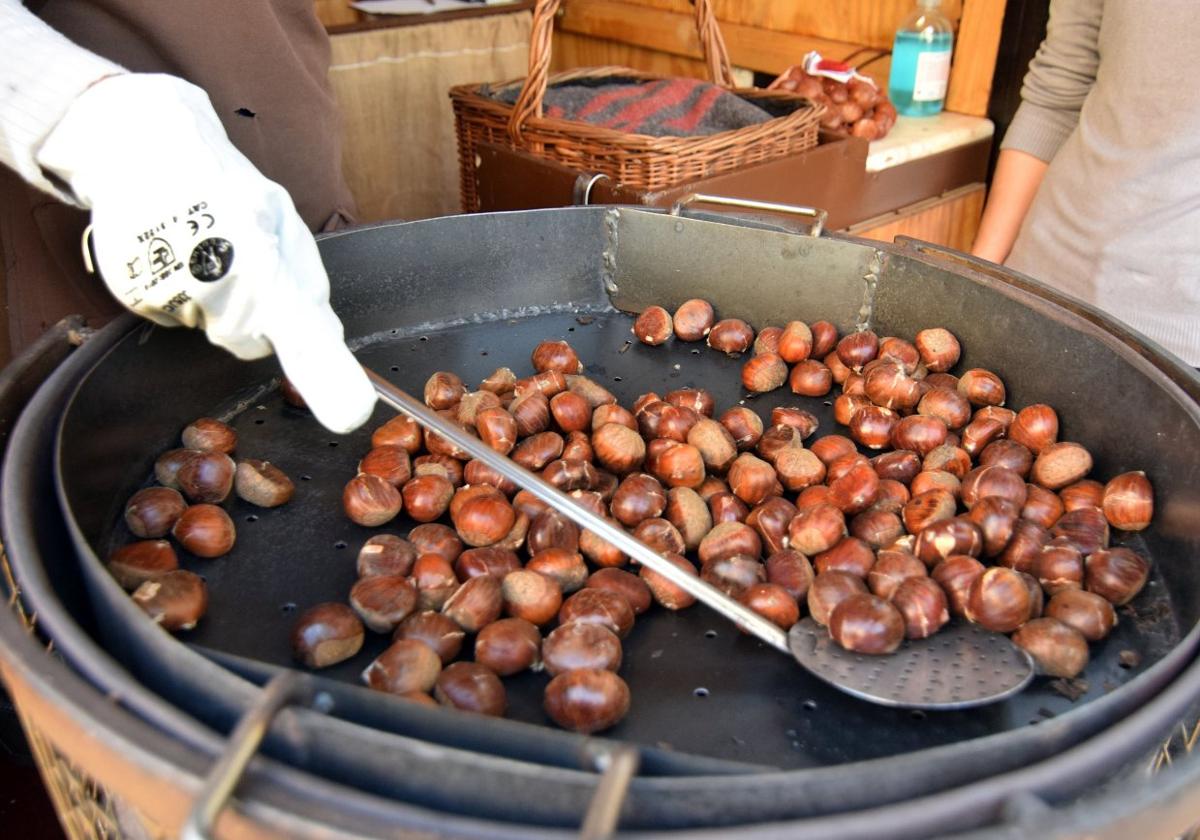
(975, 50)
(571, 50)
(336, 12)
(399, 167)
(675, 33)
(868, 22)
(951, 220)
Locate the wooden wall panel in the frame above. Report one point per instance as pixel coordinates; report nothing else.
(571, 50)
(951, 220)
(975, 57)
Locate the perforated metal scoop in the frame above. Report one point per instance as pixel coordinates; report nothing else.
(960, 667)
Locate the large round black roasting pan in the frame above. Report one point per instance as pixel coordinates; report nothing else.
(730, 734)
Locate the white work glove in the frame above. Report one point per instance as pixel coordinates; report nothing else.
(186, 230)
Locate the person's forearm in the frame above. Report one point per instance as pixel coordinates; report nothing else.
(1018, 176)
(41, 74)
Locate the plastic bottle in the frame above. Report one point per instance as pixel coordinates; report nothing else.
(921, 61)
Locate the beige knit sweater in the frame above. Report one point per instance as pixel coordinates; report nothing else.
(1112, 101)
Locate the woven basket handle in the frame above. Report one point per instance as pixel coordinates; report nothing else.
(529, 103)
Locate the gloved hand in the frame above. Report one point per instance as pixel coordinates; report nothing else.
(187, 231)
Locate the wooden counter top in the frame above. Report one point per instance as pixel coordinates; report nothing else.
(913, 138)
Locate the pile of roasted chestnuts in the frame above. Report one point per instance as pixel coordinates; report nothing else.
(193, 482)
(965, 508)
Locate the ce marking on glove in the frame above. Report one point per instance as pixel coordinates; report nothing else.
(194, 226)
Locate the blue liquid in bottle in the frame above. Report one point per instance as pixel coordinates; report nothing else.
(921, 62)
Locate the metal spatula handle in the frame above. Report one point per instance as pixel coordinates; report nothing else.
(702, 591)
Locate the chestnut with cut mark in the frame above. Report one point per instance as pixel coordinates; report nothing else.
(385, 554)
(370, 501)
(434, 579)
(205, 530)
(743, 425)
(939, 349)
(999, 600)
(598, 606)
(956, 575)
(828, 590)
(433, 629)
(795, 342)
(391, 463)
(772, 602)
(731, 335)
(175, 600)
(426, 497)
(435, 538)
(850, 554)
(206, 477)
(564, 566)
(475, 604)
(1087, 612)
(471, 687)
(400, 431)
(405, 666)
(167, 466)
(443, 390)
(264, 484)
(1117, 574)
(132, 565)
(383, 601)
(733, 574)
(210, 435)
(654, 326)
(555, 356)
(152, 512)
(1128, 501)
(892, 568)
(325, 635)
(531, 596)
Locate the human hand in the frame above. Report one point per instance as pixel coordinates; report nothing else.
(187, 231)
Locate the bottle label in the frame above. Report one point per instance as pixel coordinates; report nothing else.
(933, 71)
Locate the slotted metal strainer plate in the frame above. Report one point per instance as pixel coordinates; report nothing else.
(963, 665)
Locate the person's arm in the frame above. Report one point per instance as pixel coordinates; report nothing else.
(1059, 79)
(185, 229)
(1014, 184)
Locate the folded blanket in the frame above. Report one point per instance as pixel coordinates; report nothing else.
(666, 108)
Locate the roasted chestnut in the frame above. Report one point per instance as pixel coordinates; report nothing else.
(562, 565)
(629, 586)
(824, 339)
(1035, 427)
(660, 535)
(689, 514)
(767, 340)
(400, 431)
(1058, 567)
(175, 600)
(386, 554)
(876, 528)
(383, 601)
(764, 372)
(772, 602)
(206, 477)
(434, 579)
(1117, 574)
(475, 604)
(497, 428)
(577, 645)
(956, 574)
(500, 381)
(733, 574)
(951, 407)
(939, 349)
(598, 606)
(892, 568)
(856, 349)
(326, 634)
(743, 425)
(810, 378)
(924, 509)
(654, 326)
(919, 434)
(536, 451)
(922, 603)
(425, 497)
(1058, 649)
(509, 646)
(981, 387)
(948, 537)
(210, 435)
(618, 448)
(532, 414)
(983, 482)
(555, 355)
(996, 518)
(205, 530)
(828, 590)
(153, 512)
(531, 596)
(167, 465)
(999, 600)
(1060, 464)
(795, 342)
(1081, 494)
(1087, 612)
(264, 484)
(484, 520)
(1128, 501)
(550, 529)
(433, 629)
(407, 665)
(791, 571)
(850, 555)
(435, 538)
(134, 564)
(443, 390)
(1024, 546)
(1085, 528)
(587, 700)
(731, 335)
(370, 501)
(668, 594)
(693, 319)
(1009, 454)
(864, 623)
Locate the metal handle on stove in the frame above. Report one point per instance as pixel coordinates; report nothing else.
(284, 689)
(702, 591)
(817, 215)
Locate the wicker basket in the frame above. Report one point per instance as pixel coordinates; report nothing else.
(637, 160)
